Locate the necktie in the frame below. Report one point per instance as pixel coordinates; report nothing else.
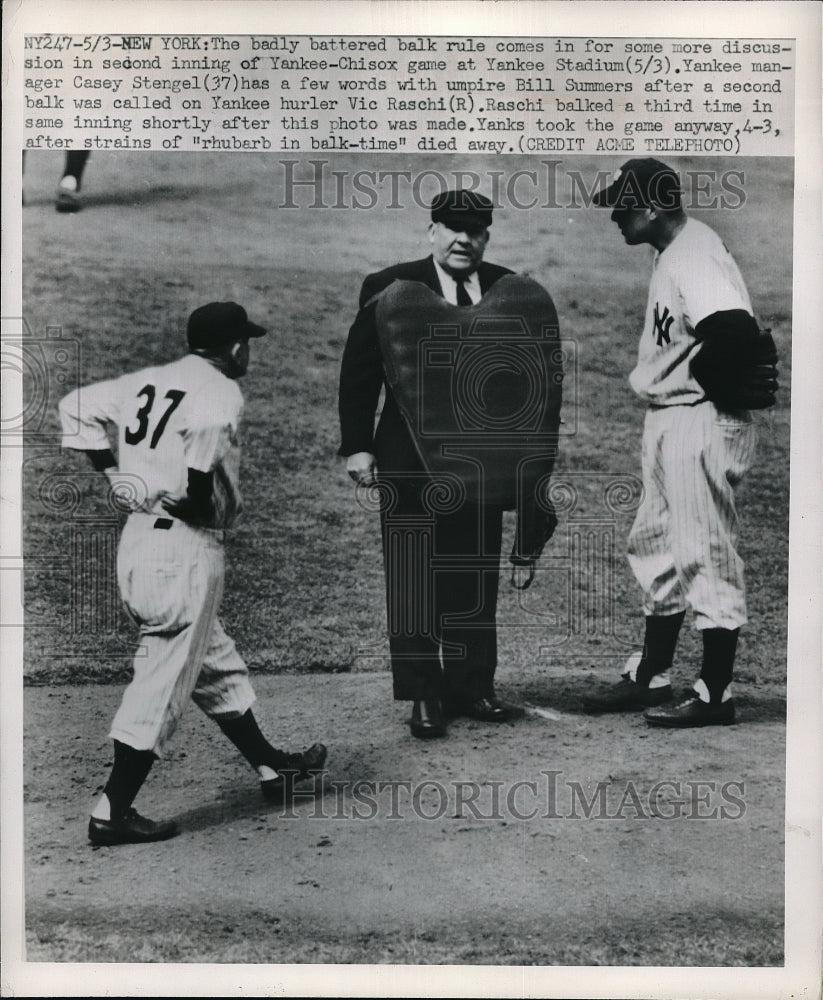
(463, 297)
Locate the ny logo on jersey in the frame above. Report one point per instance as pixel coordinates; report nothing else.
(662, 325)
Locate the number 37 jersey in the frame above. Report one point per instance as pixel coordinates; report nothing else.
(169, 419)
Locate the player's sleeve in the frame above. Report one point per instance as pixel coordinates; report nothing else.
(711, 284)
(209, 431)
(86, 412)
(736, 363)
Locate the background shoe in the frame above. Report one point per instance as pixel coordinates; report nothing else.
(67, 201)
(295, 767)
(130, 828)
(627, 696)
(487, 710)
(692, 712)
(427, 720)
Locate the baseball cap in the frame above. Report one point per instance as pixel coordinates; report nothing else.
(216, 324)
(641, 183)
(457, 208)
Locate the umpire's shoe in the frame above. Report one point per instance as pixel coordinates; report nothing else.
(293, 767)
(129, 828)
(696, 710)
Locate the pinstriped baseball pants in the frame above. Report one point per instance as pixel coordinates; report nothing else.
(171, 581)
(683, 544)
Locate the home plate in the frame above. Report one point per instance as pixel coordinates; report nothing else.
(546, 713)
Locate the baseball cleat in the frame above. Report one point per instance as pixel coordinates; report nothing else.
(692, 712)
(293, 767)
(130, 828)
(627, 696)
(67, 200)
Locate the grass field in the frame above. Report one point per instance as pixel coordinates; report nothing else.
(161, 234)
(171, 232)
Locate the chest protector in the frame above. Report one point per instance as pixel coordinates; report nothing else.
(480, 388)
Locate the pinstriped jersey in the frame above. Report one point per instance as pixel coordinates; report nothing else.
(693, 277)
(169, 418)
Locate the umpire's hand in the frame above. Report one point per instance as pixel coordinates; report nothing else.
(361, 467)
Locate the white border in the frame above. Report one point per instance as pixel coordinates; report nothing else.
(804, 940)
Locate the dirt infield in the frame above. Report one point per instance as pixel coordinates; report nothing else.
(473, 884)
(646, 847)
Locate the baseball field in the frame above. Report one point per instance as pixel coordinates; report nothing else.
(565, 839)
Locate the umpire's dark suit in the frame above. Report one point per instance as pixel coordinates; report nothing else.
(469, 648)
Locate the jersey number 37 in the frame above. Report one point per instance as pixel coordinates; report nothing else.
(148, 392)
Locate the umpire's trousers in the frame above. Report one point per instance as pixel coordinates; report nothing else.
(442, 563)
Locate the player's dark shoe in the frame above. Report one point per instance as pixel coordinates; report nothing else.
(67, 200)
(293, 767)
(692, 712)
(130, 828)
(627, 696)
(486, 710)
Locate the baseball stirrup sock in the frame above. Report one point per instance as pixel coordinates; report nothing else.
(74, 165)
(719, 648)
(662, 632)
(130, 770)
(246, 736)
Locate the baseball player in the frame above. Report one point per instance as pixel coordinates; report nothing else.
(178, 453)
(67, 198)
(702, 365)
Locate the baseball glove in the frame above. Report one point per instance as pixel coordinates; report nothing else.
(736, 362)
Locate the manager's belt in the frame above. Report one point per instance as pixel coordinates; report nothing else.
(166, 523)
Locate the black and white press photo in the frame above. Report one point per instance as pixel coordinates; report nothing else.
(412, 487)
(565, 747)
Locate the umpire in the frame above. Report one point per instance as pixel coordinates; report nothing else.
(442, 627)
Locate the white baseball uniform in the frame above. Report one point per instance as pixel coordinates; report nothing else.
(169, 419)
(682, 546)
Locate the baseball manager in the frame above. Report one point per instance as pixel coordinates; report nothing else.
(178, 457)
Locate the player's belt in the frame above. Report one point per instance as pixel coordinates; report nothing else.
(166, 523)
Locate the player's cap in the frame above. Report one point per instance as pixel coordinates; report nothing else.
(641, 183)
(456, 209)
(216, 324)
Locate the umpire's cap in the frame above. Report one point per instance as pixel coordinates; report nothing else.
(457, 209)
(216, 324)
(641, 183)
